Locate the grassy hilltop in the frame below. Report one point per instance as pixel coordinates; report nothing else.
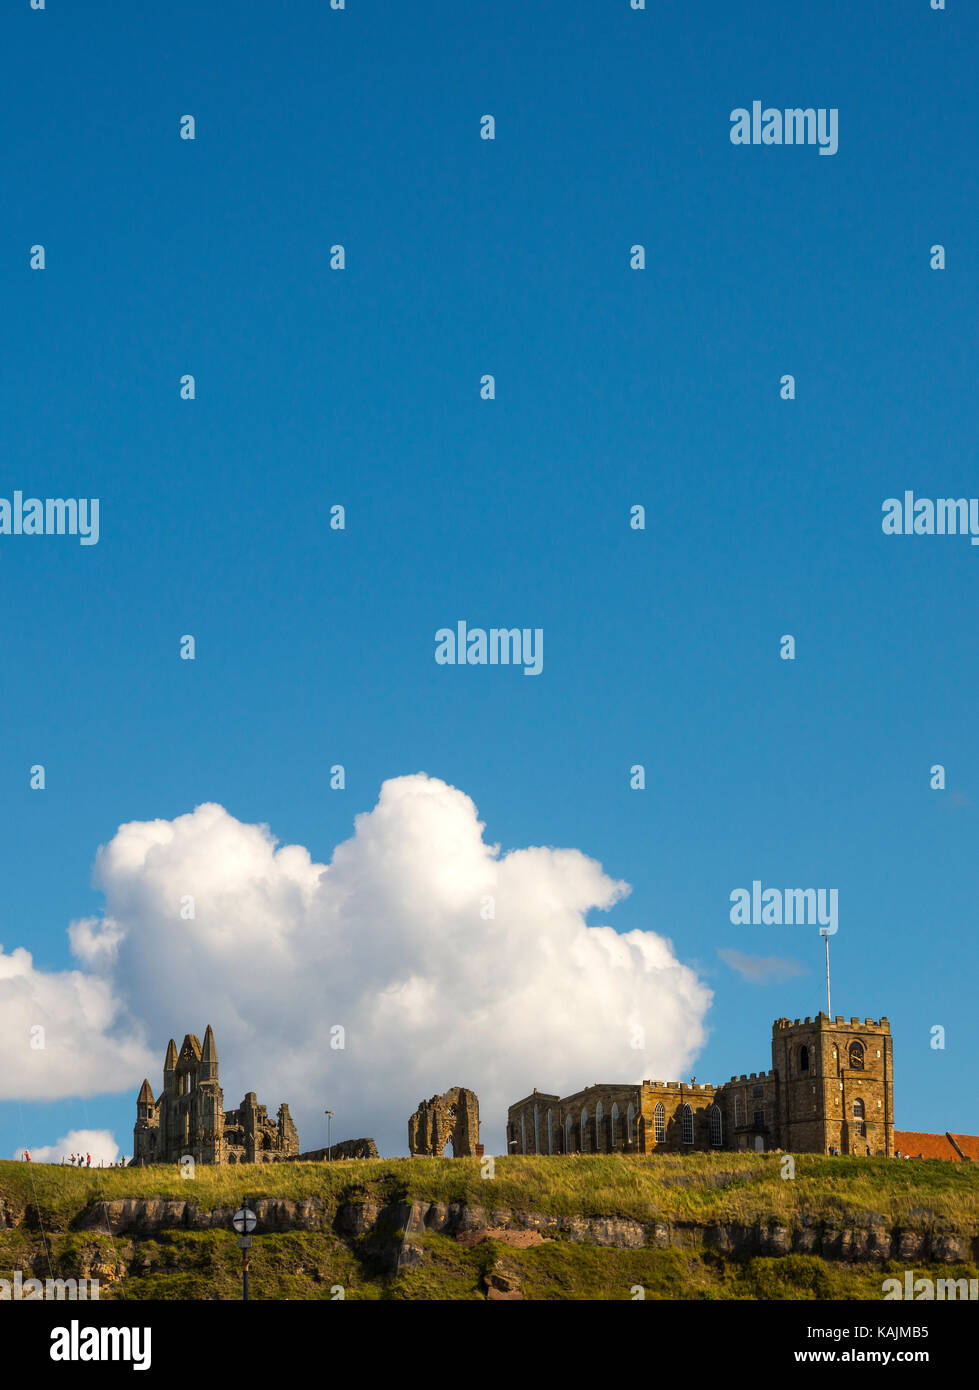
(681, 1226)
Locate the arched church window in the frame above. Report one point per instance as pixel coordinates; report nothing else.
(716, 1126)
(686, 1115)
(659, 1122)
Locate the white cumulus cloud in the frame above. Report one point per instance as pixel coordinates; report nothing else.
(389, 949)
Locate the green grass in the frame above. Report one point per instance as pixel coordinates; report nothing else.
(695, 1189)
(677, 1187)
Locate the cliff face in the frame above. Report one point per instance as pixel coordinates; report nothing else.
(552, 1229)
(870, 1239)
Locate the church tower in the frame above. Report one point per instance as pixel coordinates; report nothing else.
(209, 1147)
(835, 1085)
(146, 1131)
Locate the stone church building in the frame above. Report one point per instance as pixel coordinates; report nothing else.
(830, 1090)
(189, 1117)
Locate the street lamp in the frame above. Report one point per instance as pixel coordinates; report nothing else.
(244, 1222)
(329, 1135)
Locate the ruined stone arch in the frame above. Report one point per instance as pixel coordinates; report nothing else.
(452, 1118)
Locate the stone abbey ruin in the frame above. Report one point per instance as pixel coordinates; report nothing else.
(830, 1090)
(449, 1119)
(189, 1119)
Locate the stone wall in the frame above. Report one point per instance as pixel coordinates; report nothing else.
(347, 1148)
(814, 1100)
(449, 1118)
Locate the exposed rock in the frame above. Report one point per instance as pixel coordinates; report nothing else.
(601, 1230)
(776, 1240)
(11, 1213)
(910, 1245)
(357, 1218)
(502, 1283)
(470, 1218)
(864, 1238)
(141, 1215)
(950, 1249)
(520, 1240)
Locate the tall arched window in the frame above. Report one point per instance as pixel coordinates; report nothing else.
(860, 1115)
(686, 1115)
(856, 1056)
(584, 1130)
(615, 1124)
(716, 1126)
(568, 1135)
(536, 1130)
(659, 1122)
(523, 1133)
(599, 1136)
(737, 1112)
(803, 1058)
(550, 1130)
(630, 1119)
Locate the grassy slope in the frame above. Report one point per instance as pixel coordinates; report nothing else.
(698, 1188)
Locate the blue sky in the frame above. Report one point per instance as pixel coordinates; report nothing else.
(614, 387)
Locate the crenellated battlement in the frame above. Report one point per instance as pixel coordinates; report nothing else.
(822, 1020)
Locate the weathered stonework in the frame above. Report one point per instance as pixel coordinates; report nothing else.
(830, 1090)
(451, 1118)
(347, 1148)
(189, 1120)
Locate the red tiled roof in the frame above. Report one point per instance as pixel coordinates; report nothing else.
(969, 1144)
(917, 1145)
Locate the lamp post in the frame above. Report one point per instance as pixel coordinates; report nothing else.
(244, 1222)
(329, 1135)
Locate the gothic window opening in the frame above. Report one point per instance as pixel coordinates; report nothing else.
(716, 1126)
